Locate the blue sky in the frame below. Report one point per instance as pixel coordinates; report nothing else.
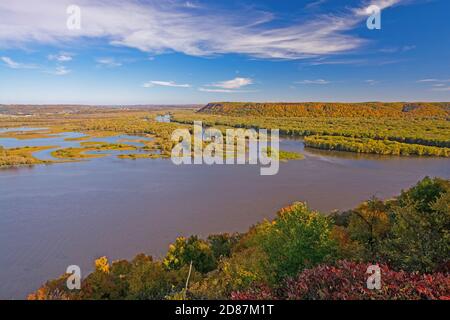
(165, 52)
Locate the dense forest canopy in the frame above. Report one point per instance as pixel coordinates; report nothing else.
(331, 109)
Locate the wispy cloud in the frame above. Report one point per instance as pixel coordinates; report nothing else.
(191, 5)
(371, 82)
(382, 4)
(217, 90)
(324, 61)
(60, 57)
(16, 65)
(318, 81)
(228, 86)
(436, 84)
(165, 27)
(434, 80)
(108, 62)
(315, 4)
(225, 90)
(165, 84)
(397, 49)
(60, 71)
(235, 83)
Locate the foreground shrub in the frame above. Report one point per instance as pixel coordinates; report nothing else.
(298, 238)
(419, 239)
(238, 272)
(348, 281)
(369, 225)
(222, 244)
(187, 250)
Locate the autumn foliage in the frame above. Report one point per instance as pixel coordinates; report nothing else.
(332, 109)
(347, 280)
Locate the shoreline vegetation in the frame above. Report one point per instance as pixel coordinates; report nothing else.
(380, 128)
(90, 146)
(300, 254)
(366, 145)
(401, 129)
(16, 157)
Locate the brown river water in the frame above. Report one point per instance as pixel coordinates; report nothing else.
(52, 216)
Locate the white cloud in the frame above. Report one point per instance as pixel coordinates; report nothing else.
(108, 62)
(382, 4)
(427, 80)
(434, 80)
(324, 61)
(315, 4)
(191, 5)
(16, 65)
(235, 83)
(61, 57)
(10, 63)
(165, 84)
(371, 82)
(165, 27)
(60, 71)
(216, 90)
(436, 84)
(224, 90)
(228, 86)
(397, 49)
(318, 81)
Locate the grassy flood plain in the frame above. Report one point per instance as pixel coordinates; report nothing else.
(421, 129)
(105, 124)
(15, 157)
(90, 146)
(380, 128)
(94, 123)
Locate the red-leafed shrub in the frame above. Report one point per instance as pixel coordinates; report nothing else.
(348, 281)
(261, 292)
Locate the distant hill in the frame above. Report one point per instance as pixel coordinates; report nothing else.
(30, 109)
(325, 109)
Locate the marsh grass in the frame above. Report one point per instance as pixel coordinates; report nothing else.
(21, 156)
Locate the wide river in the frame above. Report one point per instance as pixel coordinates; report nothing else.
(53, 216)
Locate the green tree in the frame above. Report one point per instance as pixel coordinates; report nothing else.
(420, 235)
(185, 250)
(425, 193)
(369, 225)
(222, 244)
(297, 239)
